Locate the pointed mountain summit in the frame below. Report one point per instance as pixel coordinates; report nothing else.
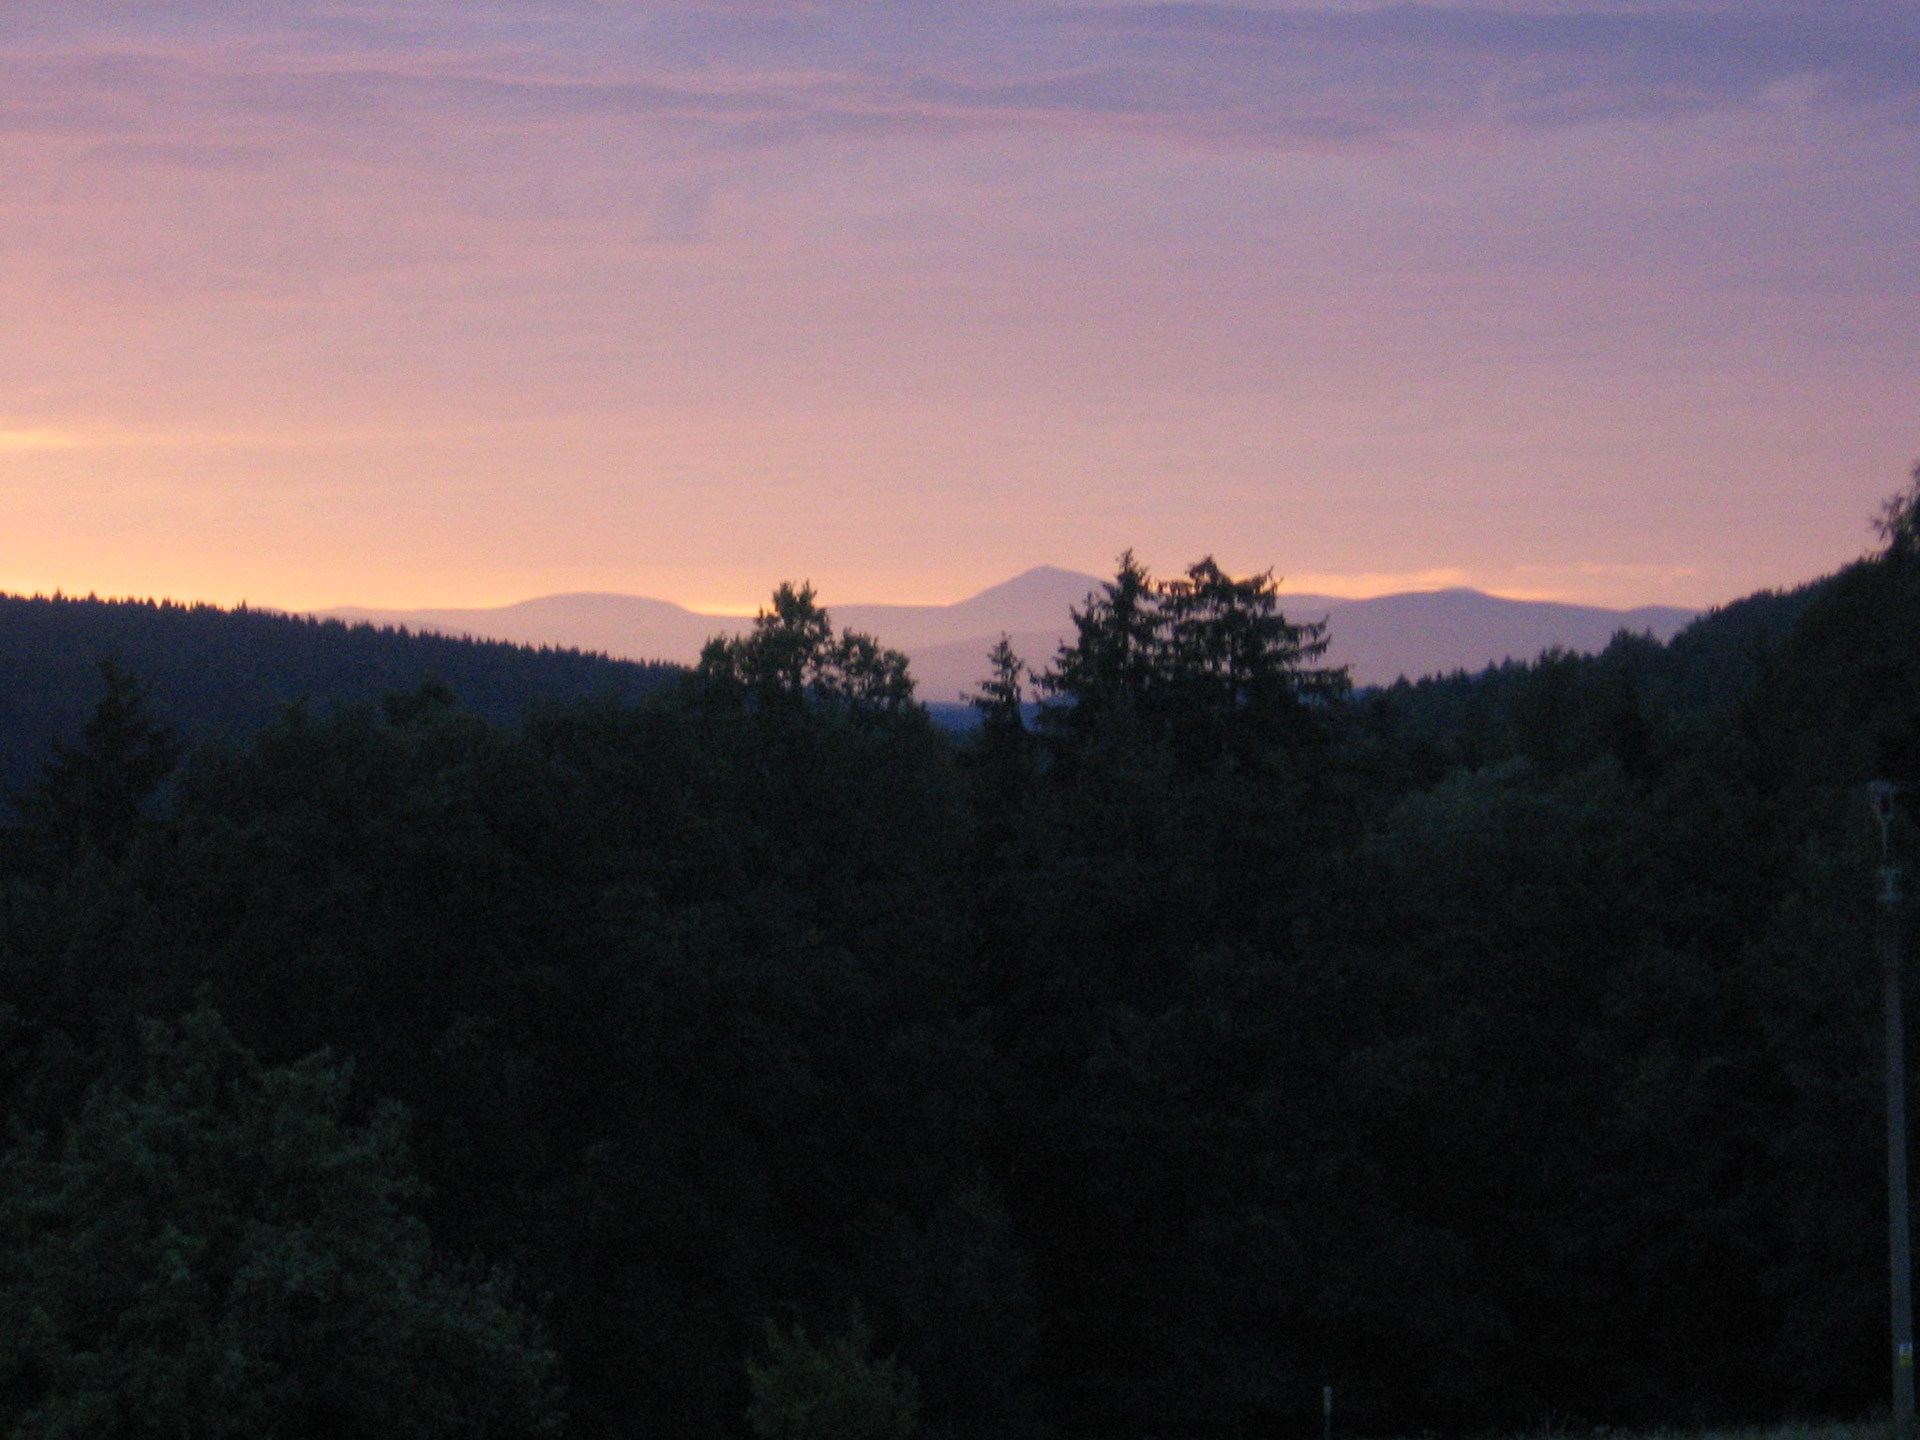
(1045, 590)
(1036, 599)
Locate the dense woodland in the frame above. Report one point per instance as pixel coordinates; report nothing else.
(223, 675)
(750, 1055)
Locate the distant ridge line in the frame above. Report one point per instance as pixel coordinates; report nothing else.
(1382, 638)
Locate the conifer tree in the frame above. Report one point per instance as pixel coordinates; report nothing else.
(1193, 660)
(91, 796)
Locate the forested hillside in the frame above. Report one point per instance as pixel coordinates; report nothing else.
(223, 674)
(1498, 1050)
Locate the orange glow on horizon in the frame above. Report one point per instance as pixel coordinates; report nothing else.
(484, 304)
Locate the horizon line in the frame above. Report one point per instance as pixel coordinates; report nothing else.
(735, 612)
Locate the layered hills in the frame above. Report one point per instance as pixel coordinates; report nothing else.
(1382, 639)
(219, 675)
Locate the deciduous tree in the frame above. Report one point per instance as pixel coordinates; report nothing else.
(791, 656)
(219, 1251)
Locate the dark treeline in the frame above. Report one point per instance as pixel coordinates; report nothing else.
(223, 674)
(1497, 1049)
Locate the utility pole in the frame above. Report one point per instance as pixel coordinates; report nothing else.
(1899, 1235)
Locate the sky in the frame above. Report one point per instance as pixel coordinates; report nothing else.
(460, 302)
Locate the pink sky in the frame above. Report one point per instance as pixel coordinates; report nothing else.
(456, 304)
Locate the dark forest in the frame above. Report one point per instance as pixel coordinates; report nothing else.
(496, 1045)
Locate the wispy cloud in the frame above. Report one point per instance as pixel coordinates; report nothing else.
(1252, 74)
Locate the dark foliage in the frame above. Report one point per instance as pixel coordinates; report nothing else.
(91, 797)
(1496, 1049)
(219, 675)
(218, 1252)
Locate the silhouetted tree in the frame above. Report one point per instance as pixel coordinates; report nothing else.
(1899, 521)
(1107, 673)
(1227, 638)
(791, 656)
(1001, 704)
(91, 796)
(1207, 662)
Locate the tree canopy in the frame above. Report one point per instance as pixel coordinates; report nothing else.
(218, 1251)
(1206, 661)
(90, 796)
(791, 656)
(1490, 1047)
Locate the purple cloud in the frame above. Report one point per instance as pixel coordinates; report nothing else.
(756, 74)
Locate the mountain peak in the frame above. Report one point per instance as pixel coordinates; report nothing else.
(1414, 633)
(1043, 585)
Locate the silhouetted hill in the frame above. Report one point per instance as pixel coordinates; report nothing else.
(1719, 655)
(220, 674)
(1382, 639)
(1539, 706)
(630, 627)
(1439, 631)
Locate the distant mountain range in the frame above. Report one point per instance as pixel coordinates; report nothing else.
(1413, 634)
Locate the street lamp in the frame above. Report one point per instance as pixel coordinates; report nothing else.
(1899, 1236)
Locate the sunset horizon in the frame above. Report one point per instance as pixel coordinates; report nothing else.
(1611, 303)
(1342, 587)
(959, 719)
